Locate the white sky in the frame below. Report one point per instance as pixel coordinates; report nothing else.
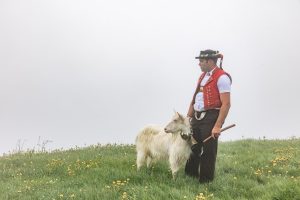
(88, 72)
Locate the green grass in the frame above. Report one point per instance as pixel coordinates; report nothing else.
(246, 169)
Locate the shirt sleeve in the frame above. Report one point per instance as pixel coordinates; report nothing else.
(224, 84)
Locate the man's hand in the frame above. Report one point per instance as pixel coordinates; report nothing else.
(216, 132)
(225, 99)
(193, 140)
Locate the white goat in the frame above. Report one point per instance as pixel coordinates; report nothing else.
(172, 143)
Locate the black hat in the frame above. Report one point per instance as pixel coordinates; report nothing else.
(210, 54)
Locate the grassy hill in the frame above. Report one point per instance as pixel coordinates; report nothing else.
(246, 169)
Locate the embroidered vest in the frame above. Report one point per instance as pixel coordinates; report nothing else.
(211, 93)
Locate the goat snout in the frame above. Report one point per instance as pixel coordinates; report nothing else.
(166, 130)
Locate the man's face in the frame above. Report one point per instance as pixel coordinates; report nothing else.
(204, 65)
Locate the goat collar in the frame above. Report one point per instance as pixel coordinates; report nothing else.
(185, 137)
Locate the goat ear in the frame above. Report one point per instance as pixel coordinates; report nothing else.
(180, 116)
(176, 113)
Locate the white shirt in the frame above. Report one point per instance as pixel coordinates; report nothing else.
(224, 85)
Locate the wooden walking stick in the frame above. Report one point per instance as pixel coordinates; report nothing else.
(223, 129)
(197, 146)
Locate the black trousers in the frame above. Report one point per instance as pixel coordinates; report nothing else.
(204, 154)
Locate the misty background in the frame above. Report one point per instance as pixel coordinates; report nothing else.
(87, 72)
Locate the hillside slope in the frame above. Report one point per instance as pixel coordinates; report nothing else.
(246, 169)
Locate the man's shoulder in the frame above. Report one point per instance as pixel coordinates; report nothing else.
(224, 83)
(225, 74)
(224, 78)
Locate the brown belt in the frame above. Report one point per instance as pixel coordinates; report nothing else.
(199, 115)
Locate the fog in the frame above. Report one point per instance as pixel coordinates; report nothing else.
(87, 72)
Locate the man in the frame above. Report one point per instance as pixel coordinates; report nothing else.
(207, 112)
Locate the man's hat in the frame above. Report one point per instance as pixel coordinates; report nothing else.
(210, 54)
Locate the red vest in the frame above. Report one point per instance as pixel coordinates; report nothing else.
(211, 93)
